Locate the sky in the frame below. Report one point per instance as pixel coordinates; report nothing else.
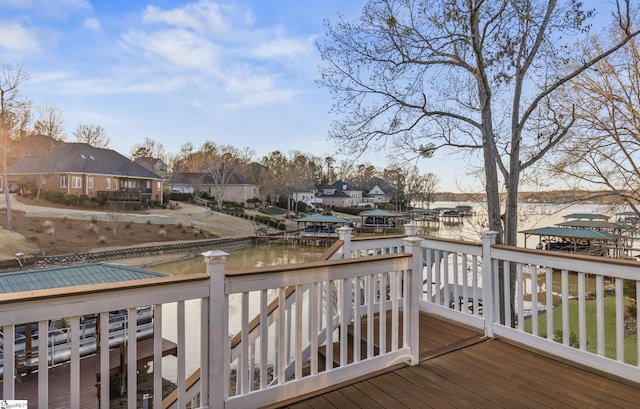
(240, 72)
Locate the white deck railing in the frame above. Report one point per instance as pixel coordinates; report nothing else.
(283, 319)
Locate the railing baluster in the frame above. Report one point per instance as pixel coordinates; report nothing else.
(315, 304)
(445, 279)
(345, 306)
(242, 374)
(264, 339)
(104, 360)
(600, 313)
(638, 320)
(182, 352)
(329, 339)
(382, 314)
(476, 293)
(282, 333)
(520, 296)
(438, 289)
(9, 362)
(395, 284)
(429, 268)
(619, 320)
(534, 300)
(43, 370)
(565, 307)
(549, 301)
(506, 296)
(157, 354)
(582, 315)
(456, 293)
(298, 329)
(357, 321)
(465, 285)
(370, 294)
(74, 334)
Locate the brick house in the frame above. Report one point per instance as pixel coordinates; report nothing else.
(237, 188)
(79, 168)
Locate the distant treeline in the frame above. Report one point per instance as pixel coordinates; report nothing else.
(551, 196)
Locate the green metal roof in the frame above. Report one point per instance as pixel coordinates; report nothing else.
(377, 213)
(428, 211)
(590, 216)
(322, 218)
(571, 233)
(595, 224)
(69, 276)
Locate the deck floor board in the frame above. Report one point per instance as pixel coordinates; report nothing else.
(461, 369)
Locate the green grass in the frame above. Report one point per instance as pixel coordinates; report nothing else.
(630, 342)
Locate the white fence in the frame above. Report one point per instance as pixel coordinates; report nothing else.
(309, 326)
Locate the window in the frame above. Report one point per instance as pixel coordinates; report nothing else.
(159, 185)
(90, 182)
(108, 183)
(76, 182)
(63, 181)
(115, 183)
(148, 184)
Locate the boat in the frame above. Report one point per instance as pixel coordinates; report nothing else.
(59, 337)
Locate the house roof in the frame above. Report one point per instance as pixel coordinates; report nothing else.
(195, 178)
(82, 158)
(69, 276)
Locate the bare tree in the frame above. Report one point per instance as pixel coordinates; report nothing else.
(474, 74)
(50, 122)
(604, 148)
(148, 148)
(94, 135)
(11, 78)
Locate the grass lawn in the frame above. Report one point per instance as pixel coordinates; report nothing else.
(630, 342)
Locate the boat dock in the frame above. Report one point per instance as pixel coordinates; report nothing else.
(27, 388)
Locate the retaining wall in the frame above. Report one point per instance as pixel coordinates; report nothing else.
(35, 261)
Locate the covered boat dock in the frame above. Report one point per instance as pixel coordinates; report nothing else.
(575, 240)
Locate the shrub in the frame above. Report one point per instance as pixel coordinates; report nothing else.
(50, 231)
(82, 199)
(47, 224)
(92, 228)
(33, 238)
(162, 232)
(94, 219)
(70, 199)
(179, 225)
(102, 239)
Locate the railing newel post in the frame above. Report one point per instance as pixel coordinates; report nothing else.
(344, 234)
(216, 367)
(488, 277)
(414, 287)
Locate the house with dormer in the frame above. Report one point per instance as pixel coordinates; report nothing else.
(82, 169)
(340, 194)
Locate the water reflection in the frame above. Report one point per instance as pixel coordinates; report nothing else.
(261, 255)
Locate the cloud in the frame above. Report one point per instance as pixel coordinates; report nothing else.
(92, 24)
(282, 47)
(201, 16)
(175, 48)
(14, 37)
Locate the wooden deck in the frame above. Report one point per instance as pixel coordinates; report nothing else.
(461, 369)
(59, 377)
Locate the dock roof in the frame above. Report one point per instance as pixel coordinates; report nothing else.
(322, 218)
(595, 224)
(573, 233)
(589, 216)
(69, 276)
(378, 213)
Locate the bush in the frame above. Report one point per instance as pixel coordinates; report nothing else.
(82, 199)
(70, 199)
